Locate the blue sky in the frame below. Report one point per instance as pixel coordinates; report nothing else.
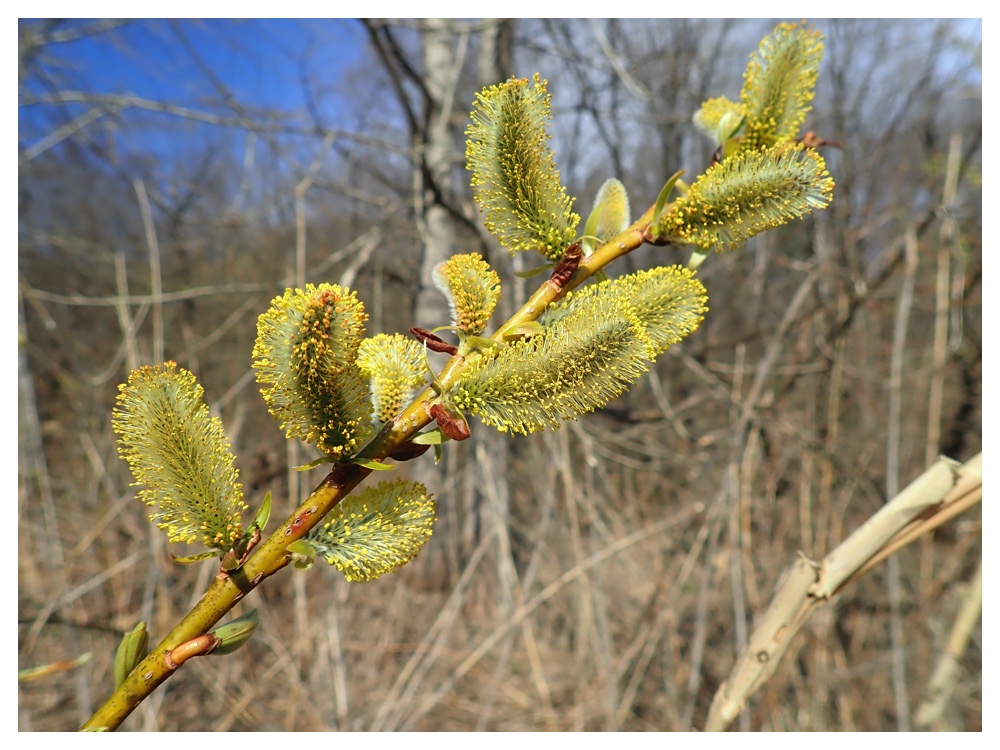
(258, 60)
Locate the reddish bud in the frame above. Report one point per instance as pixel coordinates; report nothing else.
(432, 342)
(567, 265)
(813, 140)
(452, 425)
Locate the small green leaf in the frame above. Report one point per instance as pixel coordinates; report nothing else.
(438, 454)
(472, 343)
(303, 554)
(260, 520)
(230, 561)
(187, 560)
(736, 129)
(431, 437)
(301, 547)
(131, 651)
(589, 241)
(664, 197)
(697, 257)
(369, 463)
(235, 633)
(524, 330)
(318, 462)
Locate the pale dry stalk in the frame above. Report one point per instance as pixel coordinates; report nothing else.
(926, 503)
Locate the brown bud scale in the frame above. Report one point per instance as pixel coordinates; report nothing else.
(567, 265)
(452, 425)
(432, 342)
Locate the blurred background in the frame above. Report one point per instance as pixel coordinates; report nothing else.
(174, 176)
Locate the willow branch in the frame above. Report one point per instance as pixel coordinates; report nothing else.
(272, 555)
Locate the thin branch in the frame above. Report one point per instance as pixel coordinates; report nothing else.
(892, 475)
(155, 274)
(82, 31)
(945, 676)
(68, 130)
(131, 101)
(149, 299)
(637, 89)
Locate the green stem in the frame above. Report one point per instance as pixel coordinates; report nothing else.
(271, 556)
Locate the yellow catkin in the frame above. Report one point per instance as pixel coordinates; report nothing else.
(779, 84)
(514, 177)
(394, 366)
(746, 194)
(305, 357)
(376, 530)
(180, 455)
(669, 302)
(472, 289)
(579, 363)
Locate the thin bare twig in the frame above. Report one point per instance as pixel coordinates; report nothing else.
(892, 475)
(637, 89)
(942, 682)
(59, 135)
(155, 274)
(121, 102)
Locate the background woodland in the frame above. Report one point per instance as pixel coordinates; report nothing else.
(601, 577)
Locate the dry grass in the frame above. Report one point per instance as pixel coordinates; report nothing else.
(606, 580)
